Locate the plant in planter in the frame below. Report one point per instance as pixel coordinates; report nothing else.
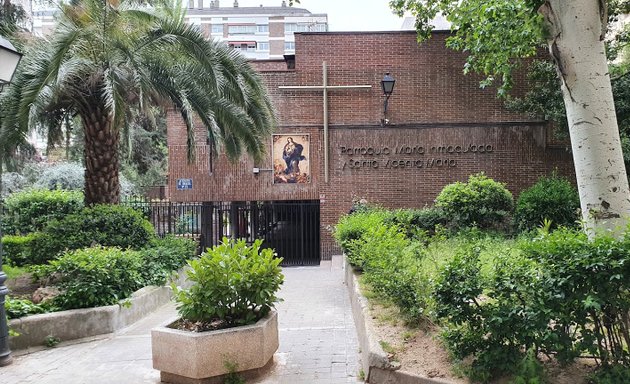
(226, 316)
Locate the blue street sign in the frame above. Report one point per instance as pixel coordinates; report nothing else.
(183, 184)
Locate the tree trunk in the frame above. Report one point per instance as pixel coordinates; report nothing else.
(101, 158)
(576, 42)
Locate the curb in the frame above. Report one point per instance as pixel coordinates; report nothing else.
(83, 323)
(374, 361)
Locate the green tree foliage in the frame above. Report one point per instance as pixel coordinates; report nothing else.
(11, 16)
(105, 57)
(496, 34)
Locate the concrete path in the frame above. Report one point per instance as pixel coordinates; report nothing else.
(317, 342)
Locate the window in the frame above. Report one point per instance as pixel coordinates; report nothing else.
(242, 29)
(248, 46)
(289, 46)
(217, 28)
(262, 28)
(304, 27)
(263, 46)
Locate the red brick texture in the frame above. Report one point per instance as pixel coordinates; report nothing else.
(443, 128)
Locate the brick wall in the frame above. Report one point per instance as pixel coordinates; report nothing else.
(443, 128)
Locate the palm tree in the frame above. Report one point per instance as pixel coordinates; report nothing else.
(108, 59)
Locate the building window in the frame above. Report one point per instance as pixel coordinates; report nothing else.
(305, 27)
(249, 46)
(262, 28)
(263, 46)
(242, 29)
(217, 28)
(289, 46)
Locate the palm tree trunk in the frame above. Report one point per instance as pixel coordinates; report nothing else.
(576, 41)
(101, 158)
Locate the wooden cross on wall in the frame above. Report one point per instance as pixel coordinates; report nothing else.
(325, 88)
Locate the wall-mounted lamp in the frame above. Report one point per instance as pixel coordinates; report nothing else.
(387, 84)
(9, 59)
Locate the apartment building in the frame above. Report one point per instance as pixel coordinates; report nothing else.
(261, 33)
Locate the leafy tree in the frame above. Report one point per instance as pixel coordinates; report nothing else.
(11, 16)
(498, 33)
(106, 57)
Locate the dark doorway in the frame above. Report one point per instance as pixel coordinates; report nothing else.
(291, 228)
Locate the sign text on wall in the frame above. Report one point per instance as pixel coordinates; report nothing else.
(408, 156)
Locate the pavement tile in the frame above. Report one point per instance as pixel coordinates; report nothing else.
(317, 342)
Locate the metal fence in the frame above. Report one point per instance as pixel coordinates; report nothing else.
(291, 228)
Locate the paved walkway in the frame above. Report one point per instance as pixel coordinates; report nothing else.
(317, 342)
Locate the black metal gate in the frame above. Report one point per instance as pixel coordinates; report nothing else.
(291, 228)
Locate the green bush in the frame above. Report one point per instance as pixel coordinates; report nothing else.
(418, 223)
(561, 295)
(93, 277)
(17, 249)
(232, 282)
(32, 249)
(392, 266)
(71, 176)
(552, 198)
(163, 256)
(106, 225)
(352, 227)
(17, 308)
(480, 202)
(30, 211)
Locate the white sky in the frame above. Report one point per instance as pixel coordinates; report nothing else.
(343, 15)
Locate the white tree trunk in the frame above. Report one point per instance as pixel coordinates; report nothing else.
(576, 42)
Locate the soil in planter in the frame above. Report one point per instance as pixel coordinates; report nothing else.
(200, 326)
(419, 350)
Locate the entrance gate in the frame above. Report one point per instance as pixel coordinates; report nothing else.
(291, 228)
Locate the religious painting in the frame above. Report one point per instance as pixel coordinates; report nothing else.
(291, 158)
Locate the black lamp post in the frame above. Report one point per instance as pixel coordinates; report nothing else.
(9, 60)
(388, 87)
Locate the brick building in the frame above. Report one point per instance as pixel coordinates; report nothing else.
(442, 128)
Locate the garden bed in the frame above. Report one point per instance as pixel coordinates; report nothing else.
(395, 352)
(74, 324)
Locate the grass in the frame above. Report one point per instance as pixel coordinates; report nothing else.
(14, 272)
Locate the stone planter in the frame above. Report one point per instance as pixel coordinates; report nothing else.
(201, 357)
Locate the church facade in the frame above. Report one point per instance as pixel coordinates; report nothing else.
(335, 143)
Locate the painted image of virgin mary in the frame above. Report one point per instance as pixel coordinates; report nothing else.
(292, 155)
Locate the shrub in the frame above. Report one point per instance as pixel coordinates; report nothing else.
(560, 295)
(30, 211)
(93, 277)
(417, 223)
(106, 225)
(392, 266)
(163, 256)
(71, 176)
(352, 227)
(188, 223)
(12, 182)
(17, 308)
(552, 198)
(480, 202)
(16, 249)
(232, 282)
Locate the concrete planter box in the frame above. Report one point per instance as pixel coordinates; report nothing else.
(201, 357)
